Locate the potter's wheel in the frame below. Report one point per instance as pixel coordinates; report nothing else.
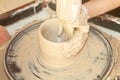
(22, 60)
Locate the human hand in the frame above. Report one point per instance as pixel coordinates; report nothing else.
(4, 35)
(73, 17)
(76, 43)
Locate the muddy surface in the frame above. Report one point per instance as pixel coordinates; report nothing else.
(114, 42)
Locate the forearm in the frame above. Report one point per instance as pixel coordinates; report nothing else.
(97, 7)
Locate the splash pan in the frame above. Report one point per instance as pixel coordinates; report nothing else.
(22, 61)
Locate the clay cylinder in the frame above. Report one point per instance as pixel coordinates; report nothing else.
(51, 45)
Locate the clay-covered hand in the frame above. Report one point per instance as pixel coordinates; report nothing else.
(73, 17)
(79, 38)
(68, 12)
(76, 43)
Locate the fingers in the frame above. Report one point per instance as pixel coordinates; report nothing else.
(74, 46)
(60, 29)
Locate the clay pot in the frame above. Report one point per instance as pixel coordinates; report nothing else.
(4, 35)
(52, 46)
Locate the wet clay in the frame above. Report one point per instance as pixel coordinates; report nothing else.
(93, 61)
(56, 48)
(52, 45)
(63, 37)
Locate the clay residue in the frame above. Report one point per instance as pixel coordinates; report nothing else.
(92, 61)
(3, 75)
(115, 44)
